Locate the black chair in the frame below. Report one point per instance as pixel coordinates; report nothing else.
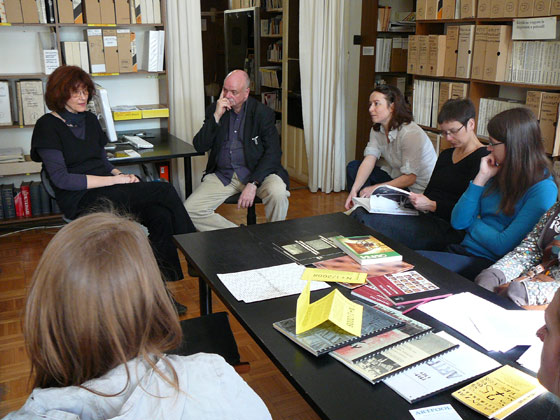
(251, 211)
(50, 191)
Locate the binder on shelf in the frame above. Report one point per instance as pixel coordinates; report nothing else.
(525, 8)
(484, 8)
(549, 119)
(497, 10)
(152, 51)
(107, 11)
(149, 11)
(533, 102)
(479, 48)
(92, 11)
(451, 45)
(459, 90)
(5, 106)
(555, 7)
(110, 50)
(497, 45)
(444, 94)
(161, 50)
(157, 11)
(65, 11)
(468, 9)
(436, 50)
(510, 8)
(423, 54)
(13, 11)
(542, 7)
(42, 11)
(432, 9)
(412, 56)
(448, 10)
(135, 11)
(123, 46)
(421, 9)
(31, 100)
(29, 11)
(464, 50)
(122, 12)
(84, 60)
(95, 47)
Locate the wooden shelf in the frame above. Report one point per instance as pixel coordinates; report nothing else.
(23, 76)
(47, 25)
(16, 126)
(516, 84)
(272, 36)
(108, 25)
(20, 168)
(453, 79)
(31, 221)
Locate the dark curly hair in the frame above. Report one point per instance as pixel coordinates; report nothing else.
(401, 111)
(62, 82)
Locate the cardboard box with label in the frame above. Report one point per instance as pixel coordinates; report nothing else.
(448, 11)
(110, 48)
(451, 44)
(107, 10)
(412, 57)
(497, 9)
(525, 8)
(479, 53)
(497, 46)
(423, 54)
(96, 53)
(122, 12)
(92, 11)
(13, 11)
(421, 9)
(436, 50)
(468, 9)
(125, 56)
(542, 8)
(510, 8)
(484, 8)
(29, 11)
(464, 50)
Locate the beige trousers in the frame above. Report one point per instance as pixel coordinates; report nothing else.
(211, 193)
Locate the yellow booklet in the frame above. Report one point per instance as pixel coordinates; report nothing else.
(500, 393)
(322, 274)
(333, 307)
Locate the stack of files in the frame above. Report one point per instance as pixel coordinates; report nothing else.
(490, 326)
(488, 108)
(76, 54)
(534, 62)
(267, 283)
(383, 54)
(439, 374)
(381, 364)
(12, 154)
(327, 337)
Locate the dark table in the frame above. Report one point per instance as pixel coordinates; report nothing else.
(166, 146)
(333, 390)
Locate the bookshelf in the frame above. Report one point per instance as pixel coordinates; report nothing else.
(502, 88)
(24, 42)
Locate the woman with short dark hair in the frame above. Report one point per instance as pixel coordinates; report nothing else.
(70, 143)
(431, 229)
(407, 150)
(513, 188)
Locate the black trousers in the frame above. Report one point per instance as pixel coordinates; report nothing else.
(157, 206)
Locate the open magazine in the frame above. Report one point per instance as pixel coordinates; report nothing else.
(387, 200)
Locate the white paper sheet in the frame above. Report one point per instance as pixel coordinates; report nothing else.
(267, 283)
(487, 324)
(531, 359)
(436, 412)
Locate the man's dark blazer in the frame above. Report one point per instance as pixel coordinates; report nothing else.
(261, 142)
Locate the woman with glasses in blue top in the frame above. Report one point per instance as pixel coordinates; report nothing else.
(513, 188)
(454, 169)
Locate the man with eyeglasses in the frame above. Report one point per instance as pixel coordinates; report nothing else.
(455, 168)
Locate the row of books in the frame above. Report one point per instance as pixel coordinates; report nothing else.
(274, 51)
(534, 62)
(389, 21)
(271, 76)
(272, 100)
(465, 9)
(272, 26)
(488, 107)
(105, 12)
(391, 54)
(272, 4)
(429, 96)
(383, 18)
(29, 200)
(21, 101)
(11, 155)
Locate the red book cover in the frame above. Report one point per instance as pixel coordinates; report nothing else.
(164, 172)
(26, 199)
(18, 204)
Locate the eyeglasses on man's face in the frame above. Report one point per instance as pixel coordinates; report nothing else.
(451, 132)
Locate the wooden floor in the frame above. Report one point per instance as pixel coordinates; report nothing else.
(20, 253)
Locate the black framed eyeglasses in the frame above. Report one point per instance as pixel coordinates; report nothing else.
(451, 132)
(494, 143)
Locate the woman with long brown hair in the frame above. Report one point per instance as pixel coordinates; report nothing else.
(407, 150)
(70, 143)
(98, 321)
(513, 188)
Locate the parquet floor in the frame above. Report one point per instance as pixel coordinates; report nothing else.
(20, 253)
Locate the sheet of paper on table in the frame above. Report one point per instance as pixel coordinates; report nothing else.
(487, 324)
(267, 283)
(531, 359)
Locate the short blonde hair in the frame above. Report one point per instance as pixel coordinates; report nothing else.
(96, 301)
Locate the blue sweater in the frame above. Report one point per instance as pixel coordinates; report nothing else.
(491, 234)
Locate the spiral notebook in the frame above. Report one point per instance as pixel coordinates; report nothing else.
(328, 337)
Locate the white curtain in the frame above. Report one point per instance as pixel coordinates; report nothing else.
(323, 64)
(185, 76)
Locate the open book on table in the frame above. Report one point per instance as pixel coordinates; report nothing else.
(387, 200)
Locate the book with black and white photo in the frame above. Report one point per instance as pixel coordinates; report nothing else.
(310, 249)
(387, 199)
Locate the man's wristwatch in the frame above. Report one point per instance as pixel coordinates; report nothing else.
(255, 183)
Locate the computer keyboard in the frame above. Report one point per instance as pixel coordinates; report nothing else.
(138, 142)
